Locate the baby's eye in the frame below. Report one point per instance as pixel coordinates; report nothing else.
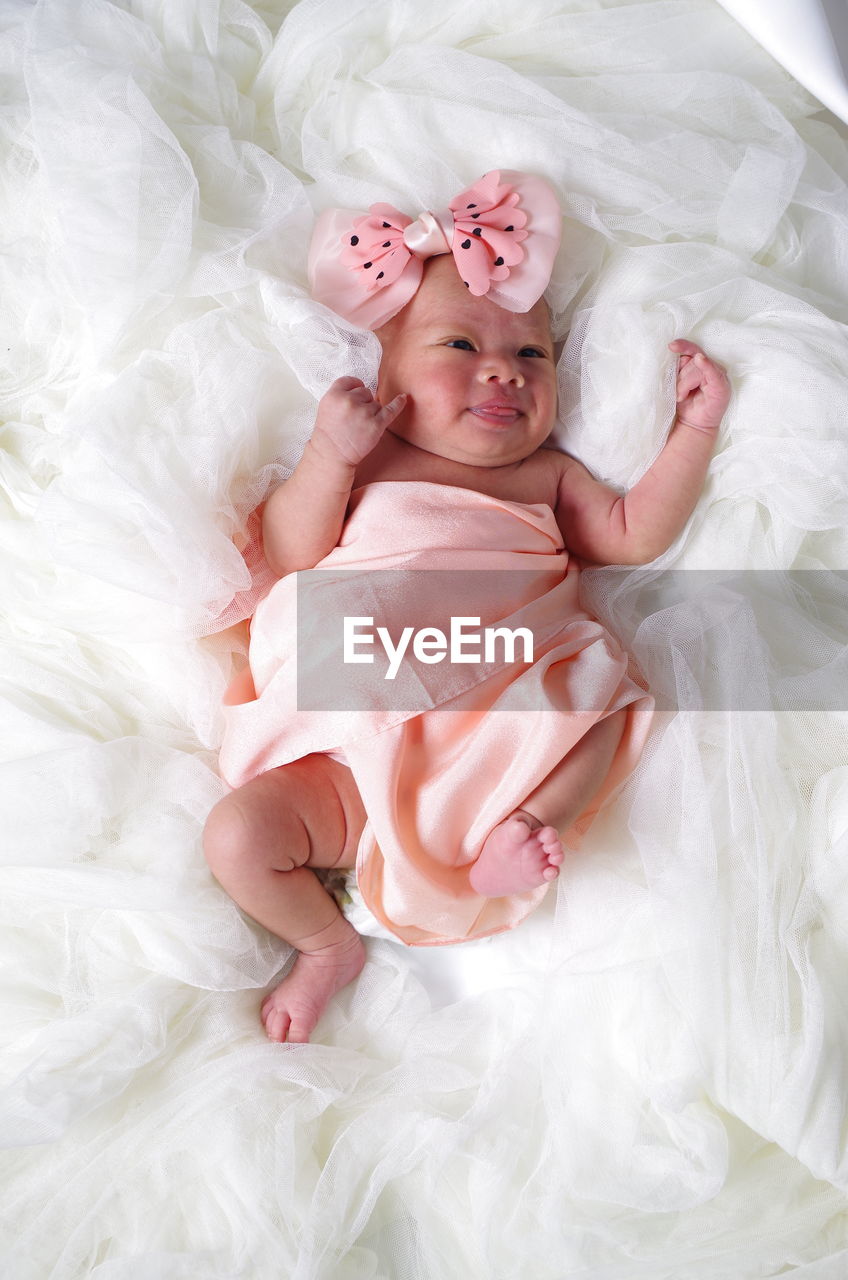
(461, 344)
(532, 351)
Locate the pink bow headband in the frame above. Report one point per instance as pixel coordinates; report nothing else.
(503, 232)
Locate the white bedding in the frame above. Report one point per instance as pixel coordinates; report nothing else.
(648, 1079)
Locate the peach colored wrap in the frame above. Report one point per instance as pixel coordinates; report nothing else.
(435, 778)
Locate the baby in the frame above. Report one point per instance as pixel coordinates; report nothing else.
(466, 401)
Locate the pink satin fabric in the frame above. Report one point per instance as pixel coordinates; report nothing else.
(437, 776)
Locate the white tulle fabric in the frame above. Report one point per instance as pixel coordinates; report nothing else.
(647, 1079)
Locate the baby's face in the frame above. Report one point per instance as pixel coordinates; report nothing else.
(481, 380)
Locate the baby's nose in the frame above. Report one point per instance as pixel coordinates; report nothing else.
(497, 368)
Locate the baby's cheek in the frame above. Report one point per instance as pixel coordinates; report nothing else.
(387, 383)
(404, 423)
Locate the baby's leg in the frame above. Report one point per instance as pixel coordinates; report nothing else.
(260, 842)
(525, 851)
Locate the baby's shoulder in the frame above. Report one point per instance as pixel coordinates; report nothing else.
(555, 461)
(568, 474)
(544, 472)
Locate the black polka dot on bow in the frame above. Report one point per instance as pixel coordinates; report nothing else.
(387, 244)
(478, 231)
(466, 244)
(498, 262)
(509, 228)
(366, 265)
(387, 224)
(354, 239)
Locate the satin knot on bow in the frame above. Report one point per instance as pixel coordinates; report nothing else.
(503, 233)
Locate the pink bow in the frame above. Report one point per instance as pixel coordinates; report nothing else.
(503, 232)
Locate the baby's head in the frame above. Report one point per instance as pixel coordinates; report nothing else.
(480, 380)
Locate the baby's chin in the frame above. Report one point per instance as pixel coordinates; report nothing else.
(461, 457)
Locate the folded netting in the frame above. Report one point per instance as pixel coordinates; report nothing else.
(647, 1080)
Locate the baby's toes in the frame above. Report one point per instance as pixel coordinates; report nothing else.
(552, 852)
(556, 856)
(276, 1021)
(552, 845)
(518, 830)
(537, 859)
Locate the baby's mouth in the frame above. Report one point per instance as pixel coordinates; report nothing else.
(496, 411)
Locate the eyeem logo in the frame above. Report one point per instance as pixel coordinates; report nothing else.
(430, 644)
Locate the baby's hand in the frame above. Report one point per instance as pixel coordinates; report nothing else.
(350, 421)
(703, 388)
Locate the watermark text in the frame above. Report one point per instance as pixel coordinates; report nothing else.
(431, 644)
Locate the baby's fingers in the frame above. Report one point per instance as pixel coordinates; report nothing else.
(690, 376)
(683, 347)
(347, 384)
(347, 392)
(691, 357)
(714, 382)
(699, 371)
(388, 412)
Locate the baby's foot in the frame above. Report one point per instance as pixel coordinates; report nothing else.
(517, 855)
(293, 1008)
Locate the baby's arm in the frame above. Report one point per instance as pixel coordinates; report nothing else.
(302, 520)
(603, 527)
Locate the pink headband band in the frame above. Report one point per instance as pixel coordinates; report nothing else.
(503, 233)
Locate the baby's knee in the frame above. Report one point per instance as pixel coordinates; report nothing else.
(227, 838)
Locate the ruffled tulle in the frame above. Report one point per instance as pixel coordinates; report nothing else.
(647, 1078)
